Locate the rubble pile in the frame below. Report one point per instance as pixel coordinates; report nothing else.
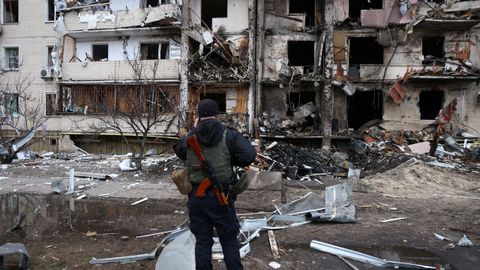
(237, 121)
(377, 152)
(296, 162)
(305, 119)
(218, 59)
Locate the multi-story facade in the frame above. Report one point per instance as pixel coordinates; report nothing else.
(278, 68)
(26, 42)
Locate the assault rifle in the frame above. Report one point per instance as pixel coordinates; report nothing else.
(211, 178)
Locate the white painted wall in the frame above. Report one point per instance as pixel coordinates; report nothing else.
(115, 48)
(121, 4)
(236, 20)
(237, 17)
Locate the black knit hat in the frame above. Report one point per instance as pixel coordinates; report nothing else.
(207, 108)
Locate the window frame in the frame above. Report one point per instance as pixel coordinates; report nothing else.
(145, 57)
(7, 61)
(54, 109)
(7, 104)
(49, 57)
(47, 11)
(4, 12)
(99, 44)
(161, 46)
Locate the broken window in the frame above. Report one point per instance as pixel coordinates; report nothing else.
(149, 51)
(151, 3)
(363, 107)
(220, 98)
(355, 6)
(11, 104)
(50, 10)
(163, 2)
(430, 103)
(50, 105)
(100, 52)
(49, 56)
(301, 53)
(432, 48)
(365, 50)
(164, 50)
(10, 11)
(306, 7)
(11, 58)
(213, 9)
(297, 99)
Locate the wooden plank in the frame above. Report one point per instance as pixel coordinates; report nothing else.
(242, 97)
(273, 244)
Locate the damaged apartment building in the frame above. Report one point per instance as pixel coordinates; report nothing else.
(325, 69)
(318, 69)
(398, 62)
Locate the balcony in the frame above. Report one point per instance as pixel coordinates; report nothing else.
(118, 71)
(106, 20)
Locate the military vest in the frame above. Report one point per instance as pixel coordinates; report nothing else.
(218, 156)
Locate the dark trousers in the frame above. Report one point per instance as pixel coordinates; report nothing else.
(206, 213)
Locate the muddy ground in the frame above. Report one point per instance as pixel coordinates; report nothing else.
(104, 224)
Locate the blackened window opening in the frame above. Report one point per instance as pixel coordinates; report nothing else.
(303, 6)
(99, 52)
(149, 51)
(151, 3)
(213, 9)
(432, 48)
(51, 10)
(363, 107)
(355, 6)
(220, 98)
(365, 50)
(50, 105)
(164, 51)
(430, 103)
(10, 11)
(301, 53)
(297, 99)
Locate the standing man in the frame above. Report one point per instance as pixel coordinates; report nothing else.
(223, 147)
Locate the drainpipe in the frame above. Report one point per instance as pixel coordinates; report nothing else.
(183, 106)
(260, 37)
(327, 93)
(252, 64)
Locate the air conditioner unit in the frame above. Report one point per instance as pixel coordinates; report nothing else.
(45, 73)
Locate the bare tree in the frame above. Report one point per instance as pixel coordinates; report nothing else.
(135, 110)
(20, 115)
